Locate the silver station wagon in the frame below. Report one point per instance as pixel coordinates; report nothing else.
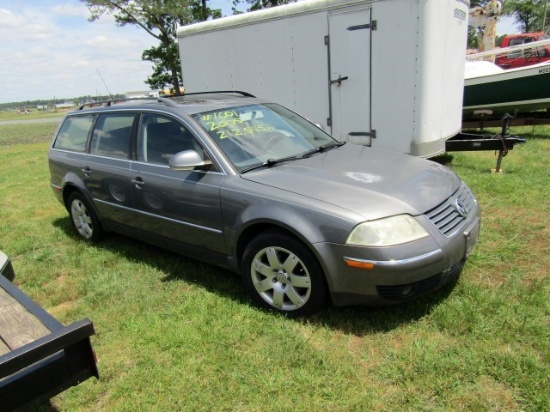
(250, 186)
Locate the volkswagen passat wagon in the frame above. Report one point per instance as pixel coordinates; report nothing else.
(250, 186)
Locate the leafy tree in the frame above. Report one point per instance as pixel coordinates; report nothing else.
(160, 19)
(472, 38)
(498, 40)
(259, 4)
(528, 14)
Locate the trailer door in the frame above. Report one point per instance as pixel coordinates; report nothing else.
(350, 89)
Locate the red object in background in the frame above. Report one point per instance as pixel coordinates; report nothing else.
(526, 57)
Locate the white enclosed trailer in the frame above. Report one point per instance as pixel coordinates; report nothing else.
(383, 73)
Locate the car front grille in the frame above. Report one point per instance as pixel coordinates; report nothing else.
(400, 293)
(453, 213)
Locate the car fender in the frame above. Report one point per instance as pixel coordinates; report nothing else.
(71, 181)
(309, 227)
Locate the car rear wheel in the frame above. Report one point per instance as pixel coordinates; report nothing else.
(281, 274)
(84, 218)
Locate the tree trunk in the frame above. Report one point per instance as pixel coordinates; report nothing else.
(204, 12)
(175, 81)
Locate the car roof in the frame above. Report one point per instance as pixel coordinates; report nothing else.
(189, 103)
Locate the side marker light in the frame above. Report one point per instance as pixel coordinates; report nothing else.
(359, 264)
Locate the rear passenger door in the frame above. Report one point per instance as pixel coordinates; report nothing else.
(182, 206)
(106, 169)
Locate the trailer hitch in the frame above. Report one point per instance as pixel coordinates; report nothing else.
(504, 151)
(501, 142)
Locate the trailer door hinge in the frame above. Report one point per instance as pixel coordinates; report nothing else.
(326, 40)
(372, 25)
(329, 122)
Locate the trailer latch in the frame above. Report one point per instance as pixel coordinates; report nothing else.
(368, 134)
(372, 26)
(339, 80)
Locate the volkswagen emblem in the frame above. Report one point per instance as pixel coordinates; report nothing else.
(459, 207)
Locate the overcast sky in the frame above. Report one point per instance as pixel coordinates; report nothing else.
(48, 49)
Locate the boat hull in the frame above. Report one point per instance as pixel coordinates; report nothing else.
(522, 90)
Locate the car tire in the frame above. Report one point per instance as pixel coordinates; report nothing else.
(84, 219)
(281, 274)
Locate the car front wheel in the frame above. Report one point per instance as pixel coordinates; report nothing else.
(84, 218)
(282, 274)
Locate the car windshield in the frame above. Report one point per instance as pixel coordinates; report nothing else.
(255, 135)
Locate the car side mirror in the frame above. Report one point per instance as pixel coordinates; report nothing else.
(188, 160)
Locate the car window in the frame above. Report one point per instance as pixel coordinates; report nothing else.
(73, 134)
(161, 137)
(112, 135)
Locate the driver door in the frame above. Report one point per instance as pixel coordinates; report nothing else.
(183, 206)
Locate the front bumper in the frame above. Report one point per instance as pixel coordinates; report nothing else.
(399, 273)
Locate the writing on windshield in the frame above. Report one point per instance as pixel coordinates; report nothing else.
(228, 123)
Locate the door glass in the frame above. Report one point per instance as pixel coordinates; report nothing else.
(73, 134)
(161, 137)
(112, 135)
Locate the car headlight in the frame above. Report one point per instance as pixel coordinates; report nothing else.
(389, 231)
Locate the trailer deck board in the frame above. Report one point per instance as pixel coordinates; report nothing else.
(18, 326)
(39, 357)
(3, 348)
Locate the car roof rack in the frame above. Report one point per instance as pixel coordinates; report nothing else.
(244, 94)
(111, 102)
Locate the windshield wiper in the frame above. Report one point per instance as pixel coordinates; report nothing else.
(268, 163)
(271, 162)
(323, 148)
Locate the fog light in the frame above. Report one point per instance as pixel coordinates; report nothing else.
(407, 290)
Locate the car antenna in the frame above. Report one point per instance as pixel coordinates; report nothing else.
(101, 77)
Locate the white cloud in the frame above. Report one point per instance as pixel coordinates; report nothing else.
(71, 9)
(51, 50)
(8, 19)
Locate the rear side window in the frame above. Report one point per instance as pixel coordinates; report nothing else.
(112, 135)
(73, 134)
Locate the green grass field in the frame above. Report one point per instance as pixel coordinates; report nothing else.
(174, 334)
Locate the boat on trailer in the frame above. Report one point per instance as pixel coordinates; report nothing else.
(492, 91)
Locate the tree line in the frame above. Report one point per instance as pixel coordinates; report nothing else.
(50, 103)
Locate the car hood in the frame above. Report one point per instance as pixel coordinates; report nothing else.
(370, 182)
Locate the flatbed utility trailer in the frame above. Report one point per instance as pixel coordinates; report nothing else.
(39, 357)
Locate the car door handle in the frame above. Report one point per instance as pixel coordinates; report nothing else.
(138, 181)
(87, 171)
